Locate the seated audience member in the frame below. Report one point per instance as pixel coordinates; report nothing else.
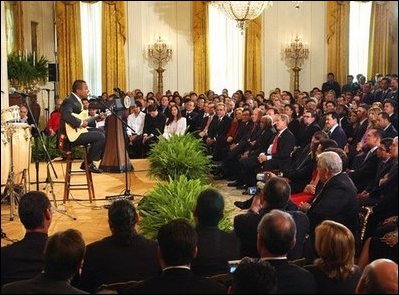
(387, 206)
(275, 195)
(53, 123)
(215, 247)
(372, 193)
(335, 271)
(206, 120)
(175, 123)
(337, 199)
(390, 107)
(136, 122)
(154, 125)
(193, 118)
(382, 244)
(279, 152)
(366, 172)
(63, 257)
(24, 259)
(308, 128)
(276, 236)
(254, 276)
(177, 248)
(385, 124)
(335, 132)
(125, 254)
(379, 277)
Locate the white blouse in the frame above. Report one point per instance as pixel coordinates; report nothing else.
(176, 127)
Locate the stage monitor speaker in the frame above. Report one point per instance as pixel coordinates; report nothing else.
(53, 72)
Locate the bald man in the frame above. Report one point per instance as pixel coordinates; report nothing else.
(379, 277)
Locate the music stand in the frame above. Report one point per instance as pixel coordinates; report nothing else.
(48, 159)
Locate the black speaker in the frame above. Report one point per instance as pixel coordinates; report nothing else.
(53, 72)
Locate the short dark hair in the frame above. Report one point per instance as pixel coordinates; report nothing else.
(151, 108)
(378, 132)
(384, 115)
(333, 114)
(77, 85)
(276, 193)
(177, 242)
(63, 254)
(387, 142)
(327, 143)
(138, 104)
(32, 208)
(122, 217)
(254, 276)
(277, 231)
(390, 101)
(210, 206)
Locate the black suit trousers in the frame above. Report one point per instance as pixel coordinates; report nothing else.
(96, 138)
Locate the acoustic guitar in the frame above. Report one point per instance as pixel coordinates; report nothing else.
(74, 133)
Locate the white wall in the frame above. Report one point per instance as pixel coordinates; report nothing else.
(172, 20)
(281, 23)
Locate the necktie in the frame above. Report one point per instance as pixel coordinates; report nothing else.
(329, 133)
(367, 156)
(275, 144)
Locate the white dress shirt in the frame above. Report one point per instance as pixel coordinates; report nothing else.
(176, 127)
(136, 123)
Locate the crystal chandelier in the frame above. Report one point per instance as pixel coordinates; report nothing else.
(242, 11)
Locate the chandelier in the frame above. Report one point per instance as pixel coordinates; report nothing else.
(242, 11)
(160, 53)
(296, 52)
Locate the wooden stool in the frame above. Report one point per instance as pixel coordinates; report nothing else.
(69, 172)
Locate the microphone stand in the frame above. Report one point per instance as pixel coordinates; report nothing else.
(126, 194)
(48, 159)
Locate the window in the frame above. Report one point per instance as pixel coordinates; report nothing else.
(226, 52)
(91, 24)
(359, 33)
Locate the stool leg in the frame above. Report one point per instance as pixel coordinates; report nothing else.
(88, 174)
(67, 179)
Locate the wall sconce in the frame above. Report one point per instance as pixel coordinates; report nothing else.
(296, 53)
(160, 53)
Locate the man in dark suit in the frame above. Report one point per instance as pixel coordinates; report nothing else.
(215, 247)
(24, 259)
(154, 125)
(177, 248)
(335, 132)
(331, 84)
(365, 174)
(308, 128)
(275, 195)
(63, 258)
(362, 114)
(337, 199)
(125, 254)
(385, 124)
(164, 105)
(193, 118)
(276, 236)
(279, 152)
(390, 108)
(93, 136)
(384, 91)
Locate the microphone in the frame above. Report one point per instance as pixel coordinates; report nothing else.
(14, 91)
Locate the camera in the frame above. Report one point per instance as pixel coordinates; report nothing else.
(260, 177)
(252, 190)
(233, 265)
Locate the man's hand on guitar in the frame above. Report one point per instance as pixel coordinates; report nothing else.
(84, 123)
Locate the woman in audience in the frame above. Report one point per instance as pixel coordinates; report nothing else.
(175, 123)
(234, 124)
(335, 271)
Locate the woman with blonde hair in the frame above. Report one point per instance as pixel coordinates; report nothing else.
(335, 271)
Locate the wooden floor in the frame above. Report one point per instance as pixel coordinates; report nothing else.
(91, 218)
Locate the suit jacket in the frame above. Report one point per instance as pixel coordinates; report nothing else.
(336, 201)
(41, 284)
(69, 106)
(394, 120)
(163, 110)
(218, 129)
(263, 141)
(136, 261)
(305, 134)
(332, 86)
(360, 131)
(388, 205)
(339, 136)
(177, 281)
(24, 259)
(243, 132)
(155, 125)
(215, 249)
(282, 158)
(368, 98)
(390, 132)
(383, 168)
(246, 225)
(365, 174)
(300, 175)
(381, 95)
(193, 121)
(292, 279)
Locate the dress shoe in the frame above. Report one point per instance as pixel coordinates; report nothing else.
(243, 205)
(235, 183)
(83, 166)
(94, 169)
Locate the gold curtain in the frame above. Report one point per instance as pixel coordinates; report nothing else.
(69, 45)
(253, 56)
(17, 26)
(338, 39)
(381, 38)
(113, 41)
(200, 39)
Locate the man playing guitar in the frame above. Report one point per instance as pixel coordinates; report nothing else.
(74, 122)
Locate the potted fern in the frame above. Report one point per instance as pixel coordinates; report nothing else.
(175, 199)
(27, 71)
(179, 155)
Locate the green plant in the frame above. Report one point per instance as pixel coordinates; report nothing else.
(179, 155)
(51, 145)
(27, 70)
(172, 200)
